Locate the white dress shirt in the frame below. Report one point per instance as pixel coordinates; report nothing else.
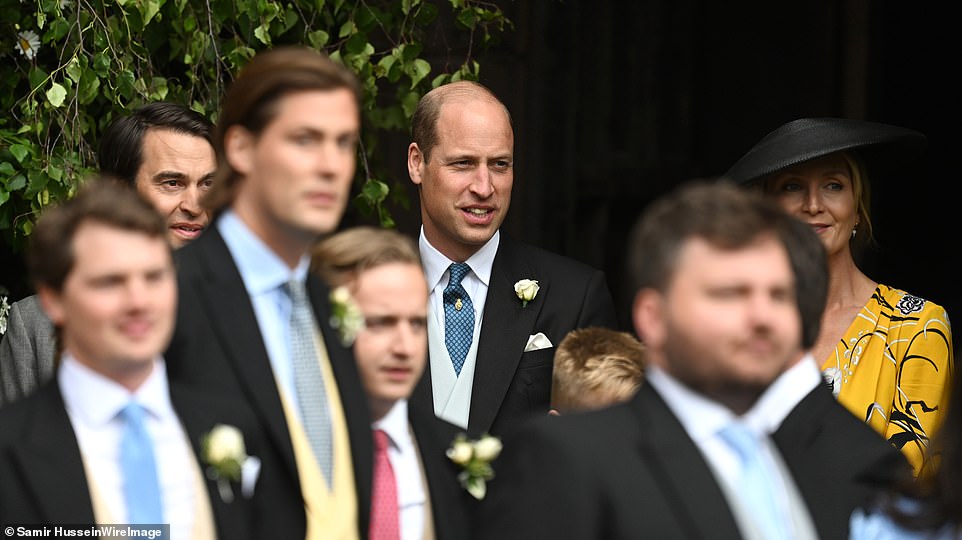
(264, 275)
(94, 403)
(403, 455)
(452, 392)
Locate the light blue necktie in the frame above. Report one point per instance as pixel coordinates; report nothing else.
(309, 380)
(754, 484)
(458, 316)
(137, 464)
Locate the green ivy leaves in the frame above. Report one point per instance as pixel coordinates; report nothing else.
(97, 59)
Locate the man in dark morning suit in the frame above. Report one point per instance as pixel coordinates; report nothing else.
(286, 141)
(162, 150)
(523, 299)
(725, 311)
(381, 270)
(104, 272)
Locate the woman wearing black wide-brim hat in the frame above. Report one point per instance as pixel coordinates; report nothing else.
(886, 353)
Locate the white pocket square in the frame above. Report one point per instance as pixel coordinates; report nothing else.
(250, 471)
(537, 342)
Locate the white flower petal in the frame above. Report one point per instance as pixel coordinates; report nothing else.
(28, 42)
(487, 448)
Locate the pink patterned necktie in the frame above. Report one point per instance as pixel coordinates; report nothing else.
(385, 520)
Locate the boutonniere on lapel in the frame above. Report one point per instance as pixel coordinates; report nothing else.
(222, 449)
(346, 317)
(4, 310)
(526, 289)
(474, 458)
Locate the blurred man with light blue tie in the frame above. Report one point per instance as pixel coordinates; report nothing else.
(109, 441)
(733, 434)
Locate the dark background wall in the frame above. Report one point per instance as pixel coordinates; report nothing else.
(616, 102)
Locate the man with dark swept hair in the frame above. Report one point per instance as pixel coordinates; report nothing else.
(163, 150)
(252, 322)
(108, 440)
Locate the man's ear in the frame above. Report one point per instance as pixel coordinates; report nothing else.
(416, 163)
(648, 315)
(553, 412)
(52, 303)
(239, 145)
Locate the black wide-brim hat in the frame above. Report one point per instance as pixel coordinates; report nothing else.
(878, 145)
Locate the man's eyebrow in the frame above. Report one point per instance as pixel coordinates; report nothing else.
(460, 157)
(168, 175)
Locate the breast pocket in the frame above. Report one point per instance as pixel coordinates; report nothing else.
(534, 373)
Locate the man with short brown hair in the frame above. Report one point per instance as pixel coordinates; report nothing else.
(109, 440)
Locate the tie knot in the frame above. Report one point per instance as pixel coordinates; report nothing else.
(458, 271)
(741, 439)
(381, 440)
(296, 290)
(133, 413)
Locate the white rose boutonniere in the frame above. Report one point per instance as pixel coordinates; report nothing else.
(475, 459)
(346, 317)
(224, 452)
(4, 311)
(526, 289)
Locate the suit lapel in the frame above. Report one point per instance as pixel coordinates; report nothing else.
(51, 462)
(433, 436)
(683, 475)
(798, 439)
(353, 400)
(504, 333)
(232, 316)
(800, 429)
(197, 418)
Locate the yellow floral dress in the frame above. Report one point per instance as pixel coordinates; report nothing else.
(893, 368)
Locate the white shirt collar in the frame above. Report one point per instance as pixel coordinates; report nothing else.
(260, 268)
(96, 400)
(395, 424)
(784, 394)
(703, 417)
(436, 264)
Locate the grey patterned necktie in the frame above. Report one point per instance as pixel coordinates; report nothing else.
(309, 380)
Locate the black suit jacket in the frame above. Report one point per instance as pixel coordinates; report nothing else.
(836, 460)
(452, 508)
(42, 477)
(510, 384)
(217, 346)
(631, 471)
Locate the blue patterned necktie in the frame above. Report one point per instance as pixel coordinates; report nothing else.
(754, 483)
(458, 316)
(137, 464)
(309, 380)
